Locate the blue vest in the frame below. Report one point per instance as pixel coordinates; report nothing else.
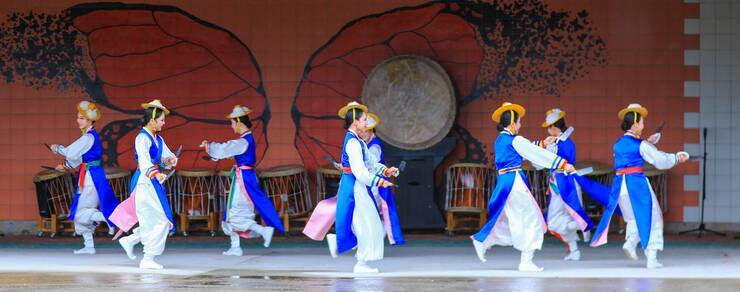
(155, 152)
(504, 153)
(627, 152)
(249, 157)
(567, 150)
(345, 157)
(96, 151)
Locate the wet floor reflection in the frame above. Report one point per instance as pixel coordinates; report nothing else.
(239, 280)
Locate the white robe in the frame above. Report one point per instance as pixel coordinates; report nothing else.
(660, 160)
(521, 223)
(87, 213)
(366, 223)
(154, 226)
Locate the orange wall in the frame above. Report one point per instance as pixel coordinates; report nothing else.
(644, 63)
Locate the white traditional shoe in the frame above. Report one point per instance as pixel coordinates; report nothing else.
(85, 250)
(654, 264)
(480, 250)
(630, 251)
(268, 235)
(364, 268)
(529, 266)
(127, 247)
(573, 256)
(331, 240)
(150, 265)
(234, 251)
(111, 231)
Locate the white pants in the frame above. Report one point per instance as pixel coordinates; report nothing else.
(521, 223)
(154, 226)
(87, 213)
(559, 220)
(367, 226)
(655, 242)
(240, 216)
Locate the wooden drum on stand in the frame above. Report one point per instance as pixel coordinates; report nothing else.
(327, 182)
(54, 193)
(468, 188)
(287, 187)
(120, 181)
(195, 200)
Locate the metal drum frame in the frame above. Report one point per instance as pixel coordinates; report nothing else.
(468, 188)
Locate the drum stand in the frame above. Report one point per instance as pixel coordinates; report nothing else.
(702, 228)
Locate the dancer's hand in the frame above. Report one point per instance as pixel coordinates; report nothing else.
(391, 171)
(654, 138)
(161, 177)
(60, 168)
(569, 168)
(53, 148)
(204, 144)
(682, 157)
(549, 140)
(171, 161)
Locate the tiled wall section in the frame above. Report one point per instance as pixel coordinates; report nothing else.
(719, 89)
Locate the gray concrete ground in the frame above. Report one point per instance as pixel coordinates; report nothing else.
(425, 263)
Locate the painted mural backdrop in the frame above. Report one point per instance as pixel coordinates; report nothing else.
(122, 55)
(490, 49)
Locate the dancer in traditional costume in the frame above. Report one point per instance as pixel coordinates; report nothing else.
(515, 218)
(358, 222)
(245, 196)
(565, 211)
(383, 196)
(152, 210)
(93, 190)
(631, 190)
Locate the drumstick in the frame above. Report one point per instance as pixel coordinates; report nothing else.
(48, 147)
(51, 168)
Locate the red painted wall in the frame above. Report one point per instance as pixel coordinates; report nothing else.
(266, 46)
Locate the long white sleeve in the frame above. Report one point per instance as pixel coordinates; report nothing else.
(536, 154)
(357, 164)
(142, 145)
(73, 153)
(227, 149)
(659, 159)
(373, 160)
